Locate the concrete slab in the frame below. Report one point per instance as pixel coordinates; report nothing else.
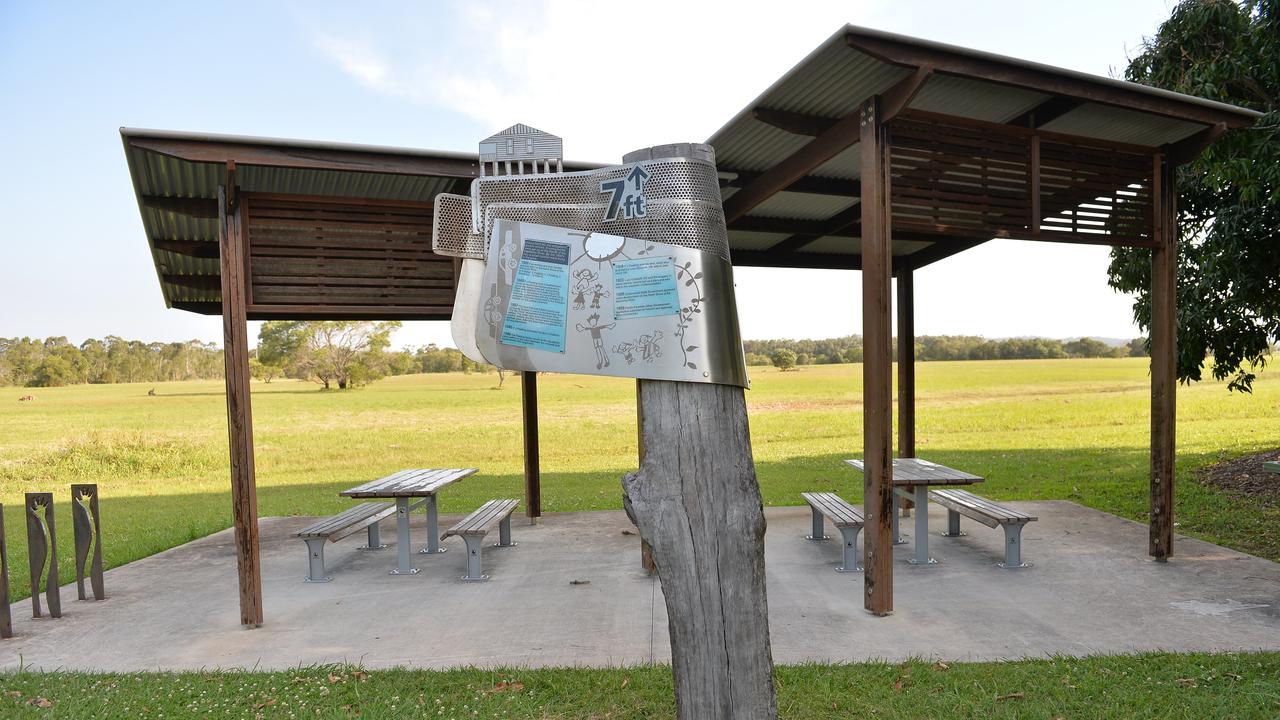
(1091, 590)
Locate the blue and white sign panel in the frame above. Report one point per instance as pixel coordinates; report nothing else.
(561, 300)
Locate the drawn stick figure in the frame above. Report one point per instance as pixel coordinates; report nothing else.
(594, 327)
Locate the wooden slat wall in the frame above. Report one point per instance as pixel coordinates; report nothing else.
(966, 178)
(334, 255)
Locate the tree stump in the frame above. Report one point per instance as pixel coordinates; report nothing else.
(696, 501)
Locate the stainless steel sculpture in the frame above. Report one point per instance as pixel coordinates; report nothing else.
(88, 536)
(42, 552)
(662, 202)
(6, 620)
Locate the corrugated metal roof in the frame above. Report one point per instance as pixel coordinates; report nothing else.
(836, 79)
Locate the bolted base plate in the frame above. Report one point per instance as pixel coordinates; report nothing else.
(510, 544)
(321, 580)
(412, 571)
(902, 539)
(810, 537)
(482, 578)
(1013, 567)
(425, 551)
(959, 534)
(913, 561)
(847, 570)
(372, 547)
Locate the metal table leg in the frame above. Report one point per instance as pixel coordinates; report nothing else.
(433, 529)
(898, 537)
(922, 528)
(402, 539)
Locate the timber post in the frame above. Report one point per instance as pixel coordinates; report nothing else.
(696, 502)
(906, 371)
(1164, 354)
(244, 494)
(532, 461)
(877, 367)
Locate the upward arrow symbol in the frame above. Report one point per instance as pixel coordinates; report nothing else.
(638, 175)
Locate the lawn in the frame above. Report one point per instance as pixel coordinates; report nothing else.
(1066, 429)
(1171, 687)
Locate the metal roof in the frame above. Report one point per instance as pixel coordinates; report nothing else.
(856, 63)
(831, 83)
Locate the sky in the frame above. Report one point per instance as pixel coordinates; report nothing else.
(74, 259)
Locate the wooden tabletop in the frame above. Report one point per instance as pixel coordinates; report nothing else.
(409, 483)
(914, 471)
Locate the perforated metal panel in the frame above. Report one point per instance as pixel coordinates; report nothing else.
(690, 224)
(452, 233)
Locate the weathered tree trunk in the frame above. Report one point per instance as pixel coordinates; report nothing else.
(696, 501)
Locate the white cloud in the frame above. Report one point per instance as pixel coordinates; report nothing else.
(608, 77)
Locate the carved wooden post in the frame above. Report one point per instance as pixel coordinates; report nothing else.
(42, 544)
(6, 620)
(696, 501)
(88, 535)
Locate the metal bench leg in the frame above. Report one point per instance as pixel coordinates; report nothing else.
(375, 539)
(898, 537)
(953, 525)
(851, 557)
(1013, 546)
(817, 526)
(922, 528)
(504, 533)
(474, 545)
(433, 529)
(315, 561)
(402, 539)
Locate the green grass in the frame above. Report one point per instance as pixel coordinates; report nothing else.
(1171, 687)
(1070, 429)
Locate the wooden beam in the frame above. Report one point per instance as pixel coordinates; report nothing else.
(794, 122)
(203, 208)
(822, 148)
(877, 378)
(1046, 112)
(811, 261)
(532, 462)
(896, 99)
(1188, 149)
(838, 223)
(991, 68)
(190, 248)
(1164, 358)
(934, 253)
(244, 496)
(304, 157)
(807, 185)
(195, 282)
(906, 364)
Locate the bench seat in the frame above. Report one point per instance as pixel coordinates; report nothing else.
(475, 526)
(332, 529)
(989, 513)
(845, 517)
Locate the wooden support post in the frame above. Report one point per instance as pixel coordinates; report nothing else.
(906, 371)
(235, 330)
(906, 365)
(1164, 355)
(696, 500)
(532, 463)
(877, 367)
(646, 550)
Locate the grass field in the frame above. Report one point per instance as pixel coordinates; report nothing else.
(1067, 429)
(1171, 687)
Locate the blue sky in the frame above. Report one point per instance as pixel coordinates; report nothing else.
(73, 258)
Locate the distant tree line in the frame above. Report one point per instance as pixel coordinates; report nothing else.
(786, 354)
(54, 361)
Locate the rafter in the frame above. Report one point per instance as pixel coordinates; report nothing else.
(204, 208)
(1046, 112)
(796, 123)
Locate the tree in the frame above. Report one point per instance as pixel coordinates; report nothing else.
(346, 353)
(783, 359)
(1229, 198)
(1087, 348)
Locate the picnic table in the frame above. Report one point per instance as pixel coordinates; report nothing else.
(403, 487)
(912, 478)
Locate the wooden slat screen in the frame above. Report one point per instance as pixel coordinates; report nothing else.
(967, 178)
(333, 257)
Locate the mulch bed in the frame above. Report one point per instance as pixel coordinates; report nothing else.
(1245, 477)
